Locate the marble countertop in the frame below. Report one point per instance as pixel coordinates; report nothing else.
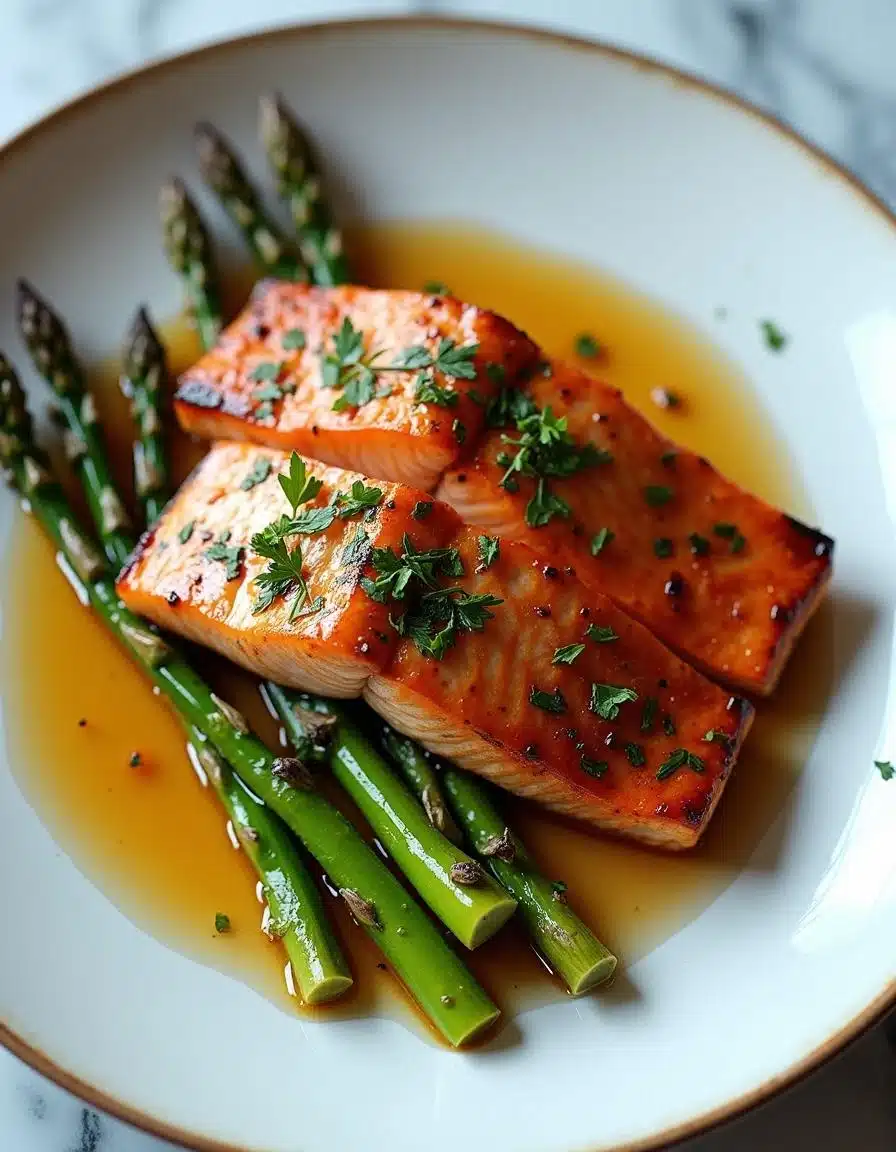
(824, 66)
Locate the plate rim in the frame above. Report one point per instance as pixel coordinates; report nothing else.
(877, 1008)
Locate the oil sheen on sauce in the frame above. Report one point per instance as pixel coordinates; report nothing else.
(155, 842)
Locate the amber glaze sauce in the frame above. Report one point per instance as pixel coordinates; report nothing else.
(155, 841)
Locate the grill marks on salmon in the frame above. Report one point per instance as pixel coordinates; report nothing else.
(735, 580)
(476, 704)
(290, 328)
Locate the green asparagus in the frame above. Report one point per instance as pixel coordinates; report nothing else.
(227, 178)
(145, 370)
(297, 172)
(190, 255)
(423, 780)
(567, 944)
(444, 988)
(452, 884)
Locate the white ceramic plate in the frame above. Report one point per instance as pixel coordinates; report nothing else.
(697, 201)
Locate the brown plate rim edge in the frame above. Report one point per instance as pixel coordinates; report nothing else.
(876, 1009)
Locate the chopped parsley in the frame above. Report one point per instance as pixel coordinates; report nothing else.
(601, 540)
(283, 575)
(607, 699)
(347, 368)
(657, 495)
(886, 769)
(222, 922)
(186, 532)
(232, 558)
(601, 633)
(713, 736)
(427, 391)
(668, 458)
(595, 768)
(587, 347)
(547, 701)
(648, 713)
(635, 755)
(421, 509)
(357, 549)
(298, 487)
(358, 500)
(266, 370)
(268, 392)
(568, 655)
(294, 340)
(436, 288)
(775, 339)
(544, 449)
(738, 543)
(726, 531)
(489, 550)
(257, 474)
(663, 547)
(680, 758)
(496, 372)
(668, 725)
(699, 544)
(135, 760)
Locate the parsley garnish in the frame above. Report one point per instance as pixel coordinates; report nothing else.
(347, 368)
(266, 370)
(222, 922)
(886, 769)
(283, 575)
(544, 449)
(713, 736)
(775, 339)
(496, 372)
(459, 429)
(663, 547)
(600, 633)
(547, 701)
(738, 543)
(595, 768)
(648, 713)
(668, 725)
(312, 520)
(436, 288)
(657, 495)
(298, 487)
(587, 347)
(680, 758)
(429, 392)
(699, 544)
(355, 552)
(607, 699)
(359, 499)
(726, 531)
(668, 459)
(601, 540)
(257, 474)
(635, 755)
(395, 573)
(569, 654)
(293, 340)
(264, 411)
(231, 557)
(267, 392)
(186, 532)
(421, 509)
(489, 551)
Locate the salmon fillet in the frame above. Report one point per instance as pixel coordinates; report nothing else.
(194, 572)
(547, 687)
(268, 379)
(720, 576)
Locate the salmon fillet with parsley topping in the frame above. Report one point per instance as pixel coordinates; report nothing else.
(391, 384)
(323, 580)
(720, 576)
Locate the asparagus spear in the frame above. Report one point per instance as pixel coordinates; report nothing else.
(190, 255)
(423, 780)
(227, 178)
(444, 988)
(291, 156)
(452, 884)
(145, 369)
(567, 944)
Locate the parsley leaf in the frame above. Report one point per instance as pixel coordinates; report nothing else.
(222, 922)
(886, 769)
(657, 495)
(357, 550)
(257, 474)
(313, 520)
(421, 509)
(283, 575)
(607, 699)
(635, 755)
(266, 370)
(713, 736)
(456, 361)
(595, 768)
(293, 340)
(699, 544)
(569, 654)
(726, 531)
(231, 557)
(297, 485)
(601, 540)
(587, 347)
(775, 339)
(547, 701)
(186, 532)
(436, 288)
(358, 500)
(428, 391)
(489, 551)
(600, 633)
(663, 547)
(680, 758)
(648, 713)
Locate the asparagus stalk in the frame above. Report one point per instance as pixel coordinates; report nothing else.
(567, 944)
(189, 253)
(227, 178)
(145, 369)
(423, 780)
(452, 884)
(297, 172)
(444, 988)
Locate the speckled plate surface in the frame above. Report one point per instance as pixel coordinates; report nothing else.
(695, 200)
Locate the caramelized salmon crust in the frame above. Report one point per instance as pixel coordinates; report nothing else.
(266, 380)
(717, 574)
(555, 694)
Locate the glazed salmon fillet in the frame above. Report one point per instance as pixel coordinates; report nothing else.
(475, 647)
(194, 572)
(720, 576)
(312, 370)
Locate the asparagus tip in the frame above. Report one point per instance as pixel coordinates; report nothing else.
(172, 198)
(216, 159)
(43, 331)
(143, 352)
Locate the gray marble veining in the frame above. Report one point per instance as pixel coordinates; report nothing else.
(824, 66)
